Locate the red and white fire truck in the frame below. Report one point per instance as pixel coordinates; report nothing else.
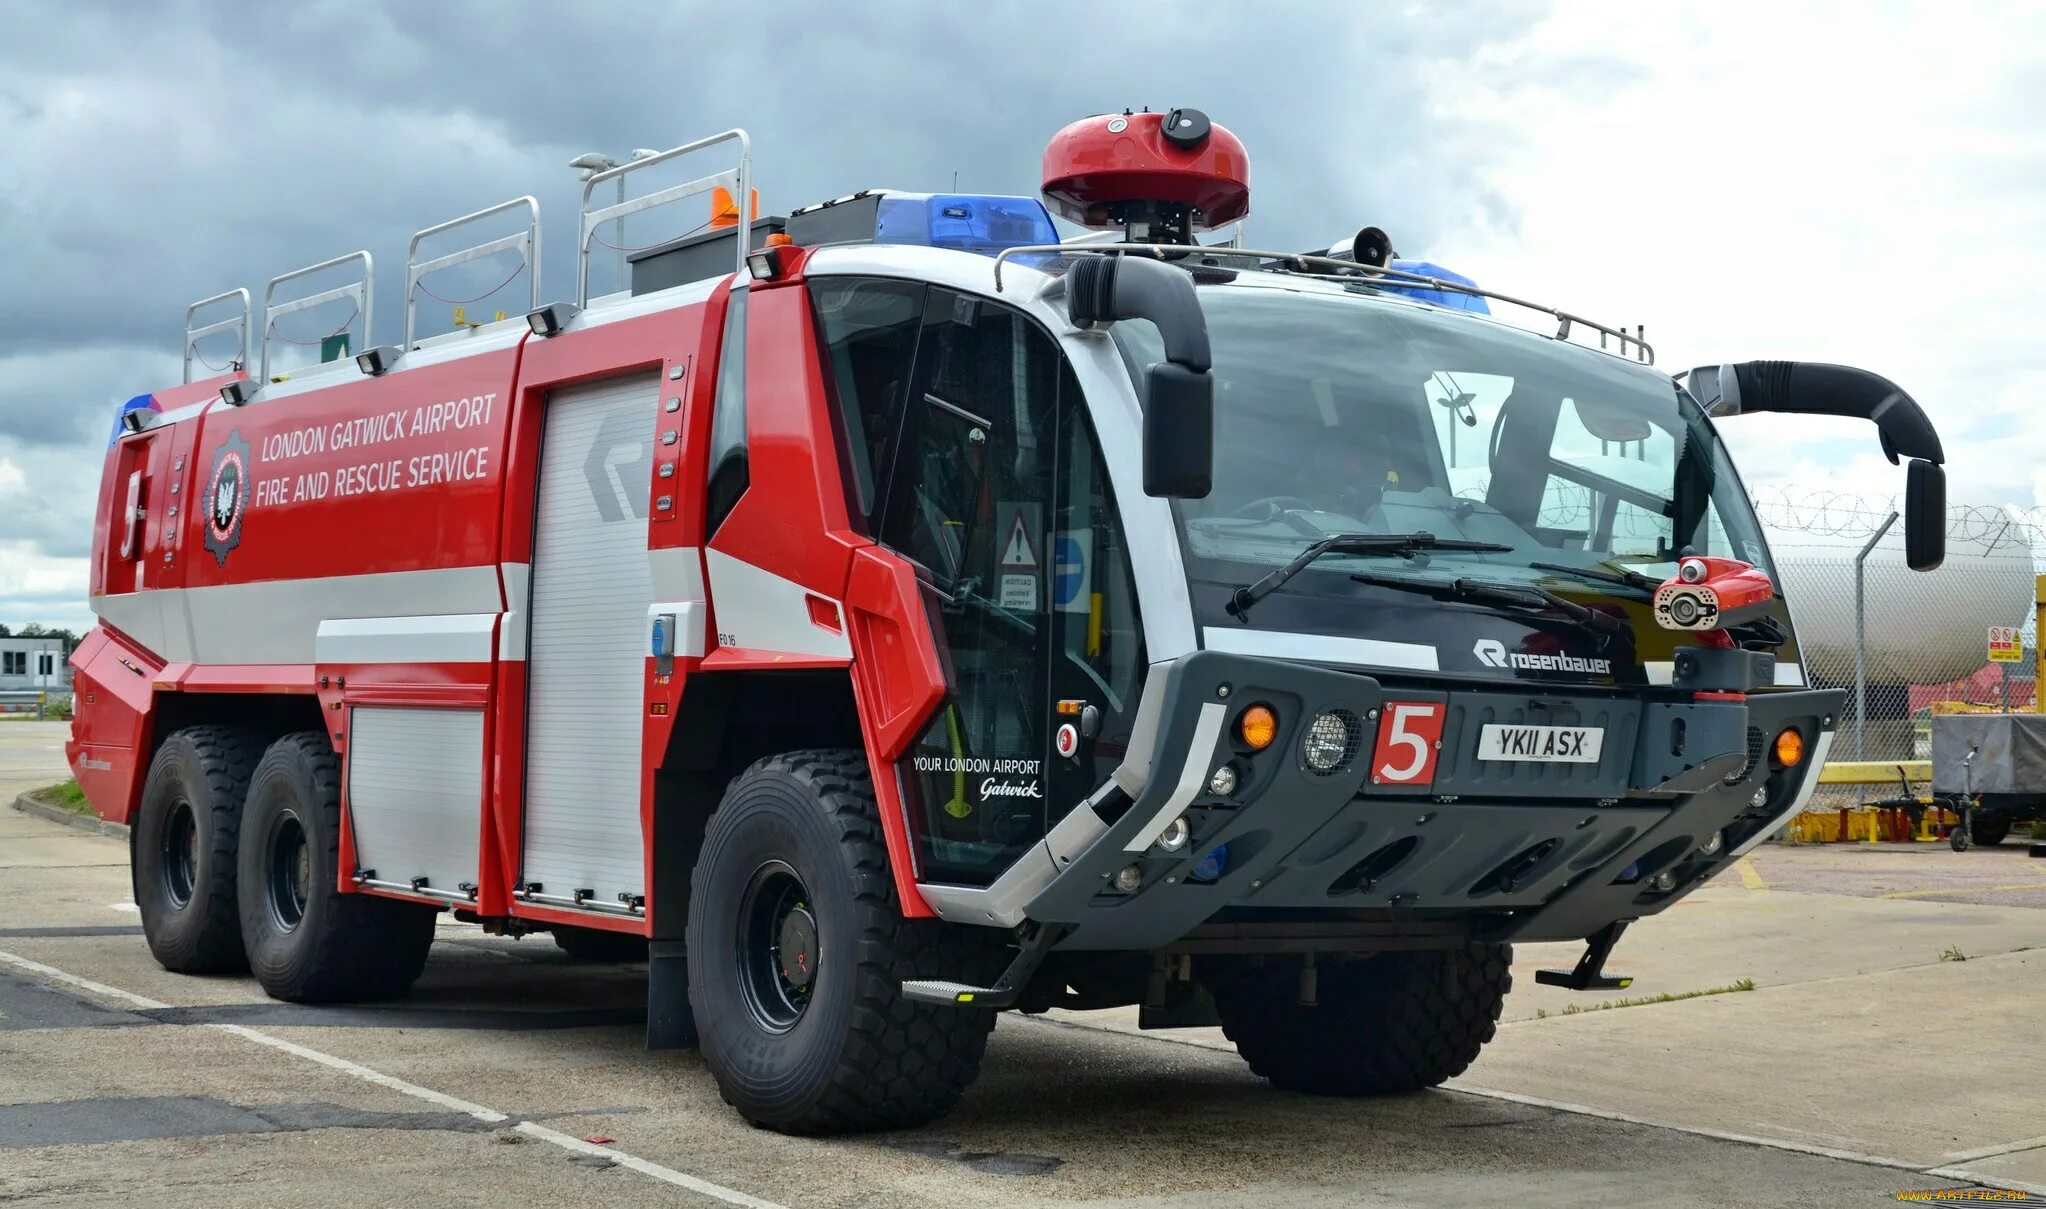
(887, 614)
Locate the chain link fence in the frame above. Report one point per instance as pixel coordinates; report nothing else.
(1918, 639)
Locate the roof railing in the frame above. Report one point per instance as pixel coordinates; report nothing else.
(239, 325)
(736, 181)
(359, 291)
(526, 243)
(1631, 346)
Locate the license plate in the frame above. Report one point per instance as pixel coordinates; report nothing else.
(1541, 744)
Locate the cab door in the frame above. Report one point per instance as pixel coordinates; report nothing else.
(971, 458)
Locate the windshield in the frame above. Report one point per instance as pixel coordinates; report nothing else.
(1337, 413)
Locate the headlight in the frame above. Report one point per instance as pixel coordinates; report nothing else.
(1330, 741)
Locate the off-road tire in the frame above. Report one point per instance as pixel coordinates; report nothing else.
(205, 768)
(597, 944)
(858, 1056)
(1395, 1022)
(343, 947)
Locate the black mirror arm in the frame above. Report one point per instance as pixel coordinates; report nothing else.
(1815, 388)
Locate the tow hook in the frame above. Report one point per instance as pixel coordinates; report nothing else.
(1589, 974)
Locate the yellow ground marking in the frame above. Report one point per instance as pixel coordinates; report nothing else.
(1749, 878)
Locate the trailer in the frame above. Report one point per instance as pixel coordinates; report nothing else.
(891, 613)
(1991, 770)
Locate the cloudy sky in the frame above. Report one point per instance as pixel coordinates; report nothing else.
(1857, 183)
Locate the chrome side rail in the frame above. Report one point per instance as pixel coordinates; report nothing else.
(1346, 270)
(239, 325)
(738, 182)
(526, 243)
(359, 291)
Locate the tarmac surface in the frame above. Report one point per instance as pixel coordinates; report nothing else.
(1867, 1060)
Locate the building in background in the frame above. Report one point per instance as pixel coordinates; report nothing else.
(29, 666)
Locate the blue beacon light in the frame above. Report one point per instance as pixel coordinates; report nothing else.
(965, 222)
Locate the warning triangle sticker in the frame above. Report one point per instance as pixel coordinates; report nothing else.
(1018, 552)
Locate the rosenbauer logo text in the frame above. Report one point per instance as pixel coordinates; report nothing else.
(455, 461)
(1493, 653)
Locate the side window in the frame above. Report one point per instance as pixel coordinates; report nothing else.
(728, 474)
(970, 499)
(868, 330)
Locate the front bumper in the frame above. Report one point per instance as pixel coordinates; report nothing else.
(1511, 850)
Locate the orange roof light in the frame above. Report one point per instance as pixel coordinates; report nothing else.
(1258, 726)
(1789, 747)
(723, 213)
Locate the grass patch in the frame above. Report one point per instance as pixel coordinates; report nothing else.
(1578, 1009)
(68, 796)
(1952, 953)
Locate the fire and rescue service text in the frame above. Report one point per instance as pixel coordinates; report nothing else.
(450, 464)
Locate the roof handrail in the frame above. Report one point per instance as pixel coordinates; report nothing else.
(359, 291)
(738, 182)
(238, 325)
(526, 243)
(1346, 270)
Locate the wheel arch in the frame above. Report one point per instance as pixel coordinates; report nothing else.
(726, 722)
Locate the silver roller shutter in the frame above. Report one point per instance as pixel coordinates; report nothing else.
(585, 659)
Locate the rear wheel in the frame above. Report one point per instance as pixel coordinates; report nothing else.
(183, 849)
(307, 942)
(1395, 1022)
(798, 950)
(1991, 831)
(597, 944)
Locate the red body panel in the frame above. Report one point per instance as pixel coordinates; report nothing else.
(294, 497)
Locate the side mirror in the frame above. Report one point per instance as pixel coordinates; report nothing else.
(1179, 408)
(1179, 432)
(1925, 515)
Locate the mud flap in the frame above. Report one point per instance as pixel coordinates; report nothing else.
(670, 1021)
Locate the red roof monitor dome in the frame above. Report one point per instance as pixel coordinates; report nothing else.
(1160, 175)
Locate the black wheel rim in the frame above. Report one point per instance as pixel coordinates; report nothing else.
(290, 866)
(180, 853)
(777, 947)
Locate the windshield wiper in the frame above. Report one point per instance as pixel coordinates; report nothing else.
(1404, 545)
(1605, 573)
(1480, 592)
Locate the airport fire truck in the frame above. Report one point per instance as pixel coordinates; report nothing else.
(890, 613)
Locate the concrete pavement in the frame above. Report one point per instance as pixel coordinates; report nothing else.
(121, 1083)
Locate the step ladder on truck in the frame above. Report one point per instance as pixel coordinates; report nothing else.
(889, 614)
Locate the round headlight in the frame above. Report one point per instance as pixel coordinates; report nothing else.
(1329, 742)
(1175, 835)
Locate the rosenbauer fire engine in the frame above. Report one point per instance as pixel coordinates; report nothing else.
(888, 614)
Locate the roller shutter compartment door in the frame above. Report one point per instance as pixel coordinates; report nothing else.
(587, 646)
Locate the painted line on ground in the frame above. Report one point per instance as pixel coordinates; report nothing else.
(1989, 1152)
(666, 1175)
(1749, 877)
(1963, 890)
(1585, 1110)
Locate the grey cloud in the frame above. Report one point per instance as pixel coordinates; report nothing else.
(211, 145)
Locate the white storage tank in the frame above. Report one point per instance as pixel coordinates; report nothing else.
(1922, 627)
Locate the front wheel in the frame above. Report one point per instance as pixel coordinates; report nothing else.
(798, 950)
(1395, 1022)
(308, 942)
